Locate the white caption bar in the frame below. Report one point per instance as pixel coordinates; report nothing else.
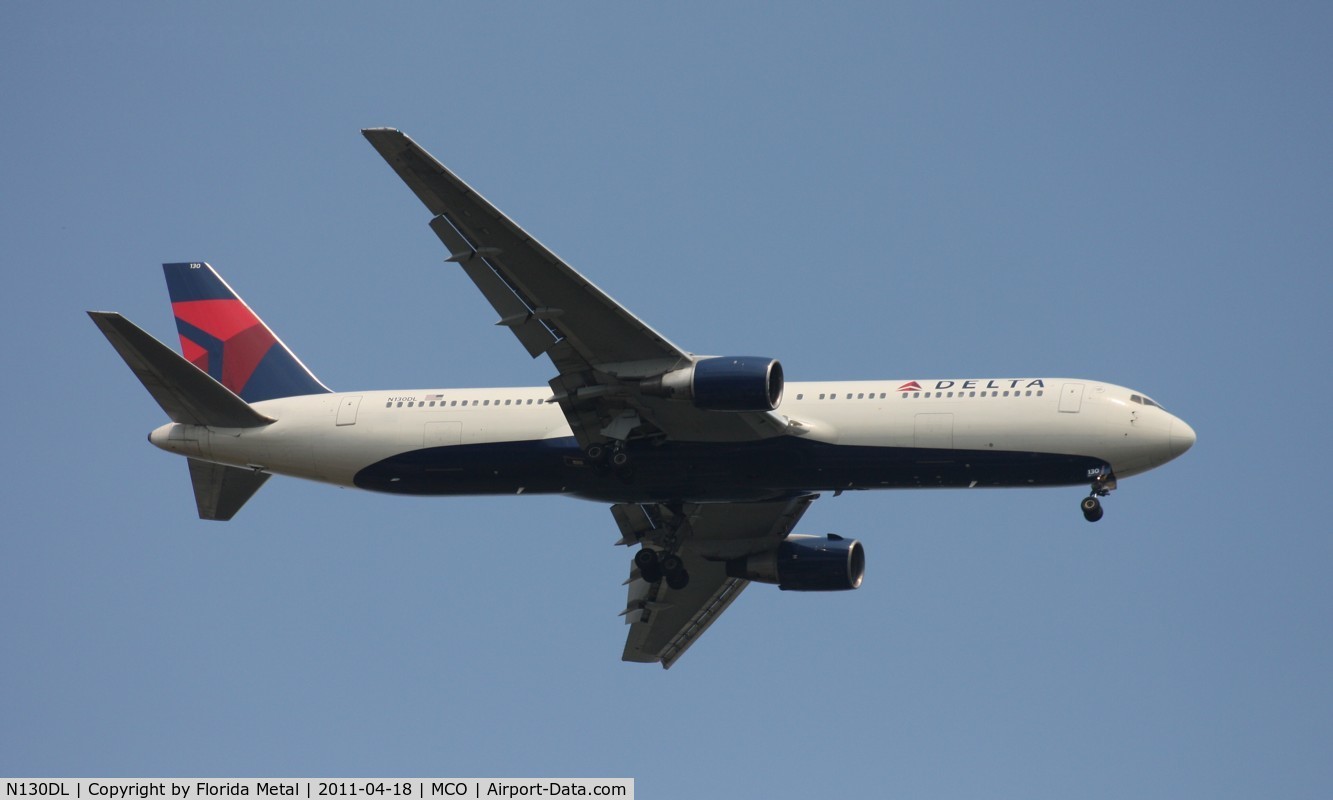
(316, 788)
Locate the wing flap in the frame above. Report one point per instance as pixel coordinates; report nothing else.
(598, 328)
(665, 622)
(515, 314)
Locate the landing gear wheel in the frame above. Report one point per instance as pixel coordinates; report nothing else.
(619, 458)
(678, 579)
(650, 567)
(674, 569)
(595, 453)
(1092, 509)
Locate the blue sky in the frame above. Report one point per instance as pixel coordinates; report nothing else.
(1133, 193)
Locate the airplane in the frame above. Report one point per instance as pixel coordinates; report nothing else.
(708, 462)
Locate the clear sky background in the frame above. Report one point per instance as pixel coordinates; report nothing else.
(1137, 193)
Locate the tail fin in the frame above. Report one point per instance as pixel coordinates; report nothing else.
(223, 337)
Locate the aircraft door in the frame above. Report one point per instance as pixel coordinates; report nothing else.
(347, 409)
(934, 431)
(442, 434)
(1071, 398)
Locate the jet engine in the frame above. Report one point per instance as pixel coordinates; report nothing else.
(803, 563)
(723, 383)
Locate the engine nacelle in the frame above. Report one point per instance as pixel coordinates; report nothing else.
(723, 383)
(804, 563)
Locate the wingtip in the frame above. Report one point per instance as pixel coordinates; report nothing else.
(104, 319)
(388, 141)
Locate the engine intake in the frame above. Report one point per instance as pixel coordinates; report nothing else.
(803, 563)
(723, 383)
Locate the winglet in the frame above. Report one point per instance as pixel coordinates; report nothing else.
(187, 394)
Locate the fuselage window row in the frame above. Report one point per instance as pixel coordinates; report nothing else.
(996, 393)
(454, 403)
(930, 395)
(822, 396)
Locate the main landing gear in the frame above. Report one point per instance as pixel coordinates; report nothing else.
(616, 455)
(1101, 487)
(666, 566)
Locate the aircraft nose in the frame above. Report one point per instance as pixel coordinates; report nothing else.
(1182, 437)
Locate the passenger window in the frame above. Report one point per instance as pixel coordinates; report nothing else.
(400, 403)
(507, 402)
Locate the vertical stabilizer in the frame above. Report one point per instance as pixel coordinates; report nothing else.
(223, 337)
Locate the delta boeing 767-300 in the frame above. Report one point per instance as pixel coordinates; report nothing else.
(708, 462)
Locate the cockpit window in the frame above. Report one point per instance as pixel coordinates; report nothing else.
(1146, 401)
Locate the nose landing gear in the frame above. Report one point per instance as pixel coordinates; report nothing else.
(1092, 508)
(1101, 487)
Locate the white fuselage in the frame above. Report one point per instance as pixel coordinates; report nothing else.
(842, 434)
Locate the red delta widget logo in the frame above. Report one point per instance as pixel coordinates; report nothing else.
(977, 383)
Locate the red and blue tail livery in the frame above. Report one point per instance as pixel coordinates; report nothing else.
(223, 337)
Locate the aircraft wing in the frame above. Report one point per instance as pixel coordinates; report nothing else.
(664, 622)
(600, 349)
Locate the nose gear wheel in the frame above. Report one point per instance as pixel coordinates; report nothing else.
(1091, 506)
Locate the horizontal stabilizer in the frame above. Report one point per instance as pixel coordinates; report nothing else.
(187, 394)
(220, 490)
